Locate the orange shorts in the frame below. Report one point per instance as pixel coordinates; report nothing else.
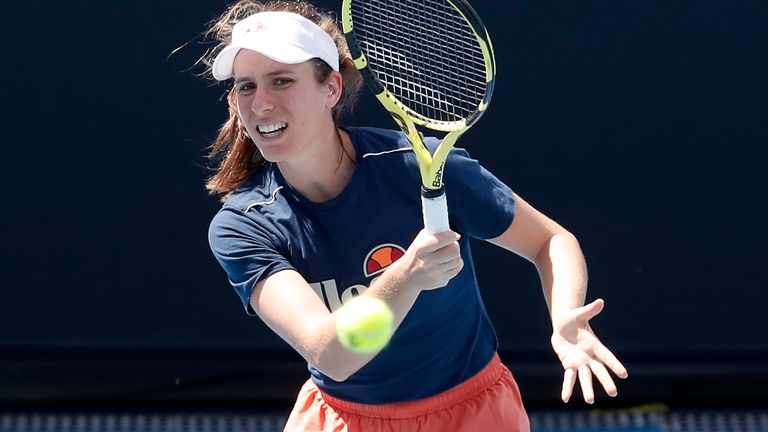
(489, 401)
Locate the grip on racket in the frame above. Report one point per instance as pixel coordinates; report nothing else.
(435, 210)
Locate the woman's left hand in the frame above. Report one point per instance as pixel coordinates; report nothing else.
(582, 353)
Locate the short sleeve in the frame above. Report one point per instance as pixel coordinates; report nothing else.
(479, 204)
(246, 251)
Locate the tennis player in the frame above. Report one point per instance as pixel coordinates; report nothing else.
(315, 214)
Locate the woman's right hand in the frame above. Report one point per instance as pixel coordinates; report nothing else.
(430, 261)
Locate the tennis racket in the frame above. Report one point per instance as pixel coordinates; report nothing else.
(431, 64)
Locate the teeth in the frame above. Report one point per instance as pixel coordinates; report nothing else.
(272, 127)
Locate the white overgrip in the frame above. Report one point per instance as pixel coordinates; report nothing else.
(435, 213)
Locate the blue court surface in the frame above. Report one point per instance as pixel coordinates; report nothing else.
(550, 421)
(629, 421)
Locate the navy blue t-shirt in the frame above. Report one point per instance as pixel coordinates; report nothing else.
(339, 246)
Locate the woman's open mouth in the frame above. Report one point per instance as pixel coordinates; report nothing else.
(272, 130)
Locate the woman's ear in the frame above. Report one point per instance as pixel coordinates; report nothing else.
(335, 86)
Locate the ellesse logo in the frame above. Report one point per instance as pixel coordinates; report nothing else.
(381, 257)
(377, 260)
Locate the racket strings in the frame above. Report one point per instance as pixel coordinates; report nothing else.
(425, 53)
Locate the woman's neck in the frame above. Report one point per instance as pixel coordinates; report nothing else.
(325, 170)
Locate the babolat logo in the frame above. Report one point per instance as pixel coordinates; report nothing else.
(438, 181)
(375, 262)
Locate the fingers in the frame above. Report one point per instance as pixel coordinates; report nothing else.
(602, 353)
(585, 373)
(449, 262)
(432, 260)
(569, 380)
(583, 354)
(453, 267)
(585, 380)
(447, 254)
(434, 242)
(444, 251)
(603, 377)
(606, 357)
(587, 367)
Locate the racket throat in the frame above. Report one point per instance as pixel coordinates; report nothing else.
(437, 178)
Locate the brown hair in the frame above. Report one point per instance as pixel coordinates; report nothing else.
(234, 150)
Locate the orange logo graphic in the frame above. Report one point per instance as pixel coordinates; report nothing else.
(381, 257)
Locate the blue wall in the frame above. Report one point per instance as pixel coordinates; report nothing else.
(640, 126)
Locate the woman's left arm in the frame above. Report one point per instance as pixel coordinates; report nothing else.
(563, 272)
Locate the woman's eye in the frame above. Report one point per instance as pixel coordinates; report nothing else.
(281, 82)
(245, 87)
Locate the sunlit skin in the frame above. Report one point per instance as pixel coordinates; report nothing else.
(306, 148)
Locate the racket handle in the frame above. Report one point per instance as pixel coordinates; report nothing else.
(435, 209)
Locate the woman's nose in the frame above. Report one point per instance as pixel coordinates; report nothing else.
(262, 101)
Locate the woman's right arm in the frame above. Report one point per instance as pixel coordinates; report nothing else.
(292, 309)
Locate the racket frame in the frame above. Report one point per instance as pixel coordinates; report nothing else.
(431, 165)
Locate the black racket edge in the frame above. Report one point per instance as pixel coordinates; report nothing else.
(481, 31)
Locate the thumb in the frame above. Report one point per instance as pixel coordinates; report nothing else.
(587, 312)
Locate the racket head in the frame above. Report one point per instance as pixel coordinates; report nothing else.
(431, 61)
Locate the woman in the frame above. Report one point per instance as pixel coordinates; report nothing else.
(315, 214)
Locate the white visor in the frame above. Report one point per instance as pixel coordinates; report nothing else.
(284, 37)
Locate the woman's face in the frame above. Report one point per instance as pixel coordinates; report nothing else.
(283, 107)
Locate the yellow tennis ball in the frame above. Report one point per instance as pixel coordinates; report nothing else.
(364, 324)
